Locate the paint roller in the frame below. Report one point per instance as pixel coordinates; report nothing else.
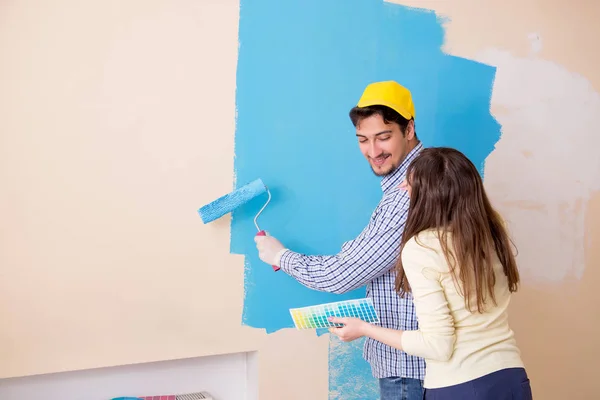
(233, 200)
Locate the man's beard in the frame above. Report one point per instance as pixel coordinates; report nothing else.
(383, 173)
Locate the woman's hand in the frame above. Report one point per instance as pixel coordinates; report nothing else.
(353, 328)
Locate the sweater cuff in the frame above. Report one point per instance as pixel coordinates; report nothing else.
(409, 342)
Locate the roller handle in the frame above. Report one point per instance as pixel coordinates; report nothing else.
(263, 233)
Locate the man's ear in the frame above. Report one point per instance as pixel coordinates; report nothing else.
(409, 133)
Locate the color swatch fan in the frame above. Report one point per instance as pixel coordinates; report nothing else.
(316, 316)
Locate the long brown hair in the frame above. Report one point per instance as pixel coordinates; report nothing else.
(447, 194)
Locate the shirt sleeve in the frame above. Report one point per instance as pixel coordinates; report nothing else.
(436, 336)
(368, 256)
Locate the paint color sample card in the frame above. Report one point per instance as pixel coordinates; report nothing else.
(316, 316)
(171, 397)
(190, 396)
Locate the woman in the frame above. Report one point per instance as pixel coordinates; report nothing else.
(456, 262)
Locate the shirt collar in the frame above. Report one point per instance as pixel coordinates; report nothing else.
(395, 178)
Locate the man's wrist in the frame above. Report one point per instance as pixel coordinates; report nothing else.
(278, 256)
(288, 260)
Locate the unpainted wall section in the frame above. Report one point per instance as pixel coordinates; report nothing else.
(117, 124)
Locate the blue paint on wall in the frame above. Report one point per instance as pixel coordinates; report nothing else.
(349, 374)
(302, 65)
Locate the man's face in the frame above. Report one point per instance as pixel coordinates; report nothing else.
(383, 145)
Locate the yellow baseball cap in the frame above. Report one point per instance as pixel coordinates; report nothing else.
(390, 94)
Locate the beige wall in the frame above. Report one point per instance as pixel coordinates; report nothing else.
(117, 123)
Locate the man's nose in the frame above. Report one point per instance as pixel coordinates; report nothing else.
(374, 150)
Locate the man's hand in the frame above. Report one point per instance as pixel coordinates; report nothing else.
(353, 328)
(269, 249)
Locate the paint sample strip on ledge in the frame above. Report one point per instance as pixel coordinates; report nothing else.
(317, 316)
(188, 396)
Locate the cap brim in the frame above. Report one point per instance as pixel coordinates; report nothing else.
(400, 110)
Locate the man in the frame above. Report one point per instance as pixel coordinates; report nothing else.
(385, 128)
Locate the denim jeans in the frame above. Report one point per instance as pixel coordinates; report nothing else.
(396, 388)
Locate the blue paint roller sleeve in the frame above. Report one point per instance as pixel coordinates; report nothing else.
(231, 201)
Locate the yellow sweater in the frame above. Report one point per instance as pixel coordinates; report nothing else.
(457, 345)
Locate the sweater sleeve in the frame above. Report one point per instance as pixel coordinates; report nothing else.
(436, 336)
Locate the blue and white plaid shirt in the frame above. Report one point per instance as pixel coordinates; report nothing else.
(370, 259)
